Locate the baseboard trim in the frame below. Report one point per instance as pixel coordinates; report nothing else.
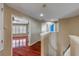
(34, 42)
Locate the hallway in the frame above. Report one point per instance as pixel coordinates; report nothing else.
(55, 25)
(34, 50)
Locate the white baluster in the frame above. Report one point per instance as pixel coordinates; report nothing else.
(17, 43)
(20, 42)
(13, 43)
(24, 42)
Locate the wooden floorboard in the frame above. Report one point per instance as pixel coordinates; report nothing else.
(34, 50)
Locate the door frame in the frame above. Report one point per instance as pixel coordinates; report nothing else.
(12, 33)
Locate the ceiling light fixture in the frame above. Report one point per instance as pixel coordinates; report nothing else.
(43, 9)
(41, 14)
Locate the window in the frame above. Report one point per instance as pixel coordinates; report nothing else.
(19, 29)
(48, 27)
(52, 27)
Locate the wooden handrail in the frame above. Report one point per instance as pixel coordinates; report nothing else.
(66, 49)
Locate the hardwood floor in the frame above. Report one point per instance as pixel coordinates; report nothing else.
(34, 50)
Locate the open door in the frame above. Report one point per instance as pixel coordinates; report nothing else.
(1, 27)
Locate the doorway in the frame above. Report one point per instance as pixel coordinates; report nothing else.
(19, 34)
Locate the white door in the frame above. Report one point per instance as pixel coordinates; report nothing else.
(1, 27)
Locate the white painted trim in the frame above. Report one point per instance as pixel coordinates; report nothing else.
(2, 25)
(34, 42)
(11, 37)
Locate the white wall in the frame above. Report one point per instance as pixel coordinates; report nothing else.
(53, 44)
(35, 30)
(74, 42)
(43, 27)
(49, 44)
(45, 43)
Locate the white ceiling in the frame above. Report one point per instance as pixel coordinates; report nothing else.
(52, 10)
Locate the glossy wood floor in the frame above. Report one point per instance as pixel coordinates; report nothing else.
(34, 50)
